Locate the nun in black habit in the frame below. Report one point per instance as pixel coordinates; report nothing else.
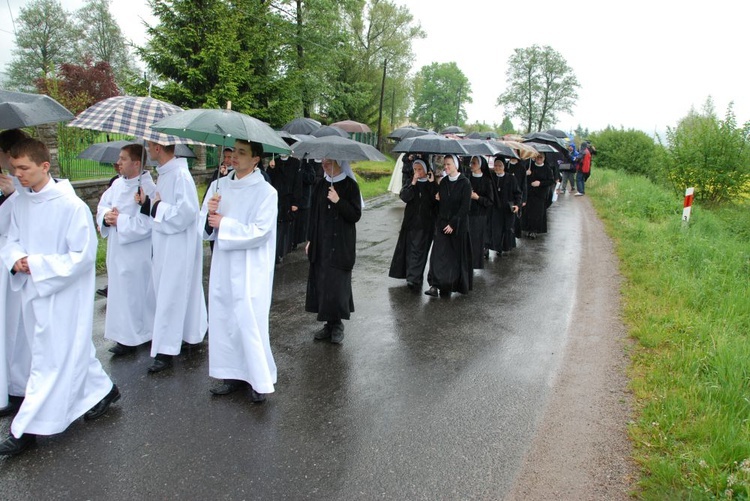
(506, 204)
(539, 180)
(450, 261)
(415, 238)
(336, 206)
(482, 197)
(284, 172)
(518, 169)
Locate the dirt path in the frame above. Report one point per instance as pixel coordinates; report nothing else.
(581, 451)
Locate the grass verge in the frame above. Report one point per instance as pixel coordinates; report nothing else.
(686, 303)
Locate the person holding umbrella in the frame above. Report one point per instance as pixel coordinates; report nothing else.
(482, 198)
(539, 180)
(331, 248)
(505, 207)
(450, 261)
(177, 257)
(130, 309)
(240, 213)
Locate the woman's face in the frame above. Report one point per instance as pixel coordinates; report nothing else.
(331, 167)
(539, 159)
(419, 171)
(498, 166)
(476, 166)
(450, 167)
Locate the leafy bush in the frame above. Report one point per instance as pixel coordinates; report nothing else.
(631, 150)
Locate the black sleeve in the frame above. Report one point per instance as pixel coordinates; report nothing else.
(154, 208)
(146, 207)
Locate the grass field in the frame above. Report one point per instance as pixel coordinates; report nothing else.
(686, 303)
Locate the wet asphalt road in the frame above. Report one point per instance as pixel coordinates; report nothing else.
(428, 398)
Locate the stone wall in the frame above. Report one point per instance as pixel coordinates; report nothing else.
(91, 191)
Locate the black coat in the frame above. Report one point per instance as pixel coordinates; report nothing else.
(416, 228)
(502, 219)
(286, 179)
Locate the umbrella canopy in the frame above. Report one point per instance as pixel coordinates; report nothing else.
(400, 132)
(544, 138)
(129, 115)
(542, 148)
(557, 133)
(503, 149)
(453, 129)
(288, 138)
(217, 127)
(431, 144)
(488, 134)
(525, 151)
(108, 153)
(336, 148)
(328, 130)
(351, 126)
(478, 147)
(301, 126)
(18, 109)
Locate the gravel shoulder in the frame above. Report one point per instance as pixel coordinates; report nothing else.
(581, 450)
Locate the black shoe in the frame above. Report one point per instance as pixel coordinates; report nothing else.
(102, 291)
(161, 362)
(12, 445)
(337, 334)
(486, 253)
(257, 398)
(228, 386)
(445, 293)
(323, 334)
(120, 349)
(14, 403)
(432, 291)
(414, 286)
(100, 409)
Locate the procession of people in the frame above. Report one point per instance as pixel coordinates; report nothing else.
(253, 216)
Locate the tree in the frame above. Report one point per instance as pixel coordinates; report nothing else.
(506, 127)
(45, 39)
(540, 85)
(103, 39)
(631, 151)
(78, 86)
(441, 90)
(710, 154)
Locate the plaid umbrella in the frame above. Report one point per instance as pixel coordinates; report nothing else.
(129, 115)
(18, 109)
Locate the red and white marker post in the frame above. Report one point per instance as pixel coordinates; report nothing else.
(688, 205)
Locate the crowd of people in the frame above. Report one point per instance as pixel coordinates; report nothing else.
(457, 211)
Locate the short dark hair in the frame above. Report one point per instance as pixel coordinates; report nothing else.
(228, 149)
(168, 148)
(135, 151)
(10, 137)
(256, 148)
(33, 148)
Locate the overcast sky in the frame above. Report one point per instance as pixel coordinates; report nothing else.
(641, 64)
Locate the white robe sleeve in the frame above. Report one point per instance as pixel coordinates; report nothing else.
(237, 235)
(53, 272)
(6, 208)
(204, 212)
(176, 217)
(104, 206)
(12, 252)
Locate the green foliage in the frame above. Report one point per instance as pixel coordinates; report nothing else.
(506, 127)
(46, 38)
(441, 90)
(631, 151)
(685, 295)
(710, 154)
(540, 84)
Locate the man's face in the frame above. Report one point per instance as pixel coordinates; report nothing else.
(243, 159)
(128, 168)
(152, 149)
(30, 174)
(227, 158)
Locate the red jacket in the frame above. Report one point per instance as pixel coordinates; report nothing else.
(585, 164)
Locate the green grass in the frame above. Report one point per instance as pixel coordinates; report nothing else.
(687, 304)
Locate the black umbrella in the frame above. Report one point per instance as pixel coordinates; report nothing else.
(453, 129)
(18, 109)
(544, 138)
(328, 130)
(431, 144)
(336, 148)
(301, 126)
(287, 137)
(557, 133)
(478, 147)
(488, 134)
(503, 150)
(541, 147)
(108, 153)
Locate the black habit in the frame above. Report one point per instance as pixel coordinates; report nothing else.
(502, 218)
(288, 183)
(535, 216)
(332, 236)
(478, 212)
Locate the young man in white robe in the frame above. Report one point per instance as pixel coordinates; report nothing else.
(177, 258)
(130, 304)
(240, 213)
(15, 355)
(51, 255)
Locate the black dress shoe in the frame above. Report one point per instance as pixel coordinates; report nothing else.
(103, 291)
(14, 403)
(257, 398)
(337, 333)
(120, 349)
(12, 445)
(432, 291)
(161, 362)
(228, 386)
(100, 409)
(324, 333)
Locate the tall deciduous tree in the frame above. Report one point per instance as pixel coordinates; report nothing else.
(104, 40)
(45, 39)
(710, 154)
(440, 92)
(540, 85)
